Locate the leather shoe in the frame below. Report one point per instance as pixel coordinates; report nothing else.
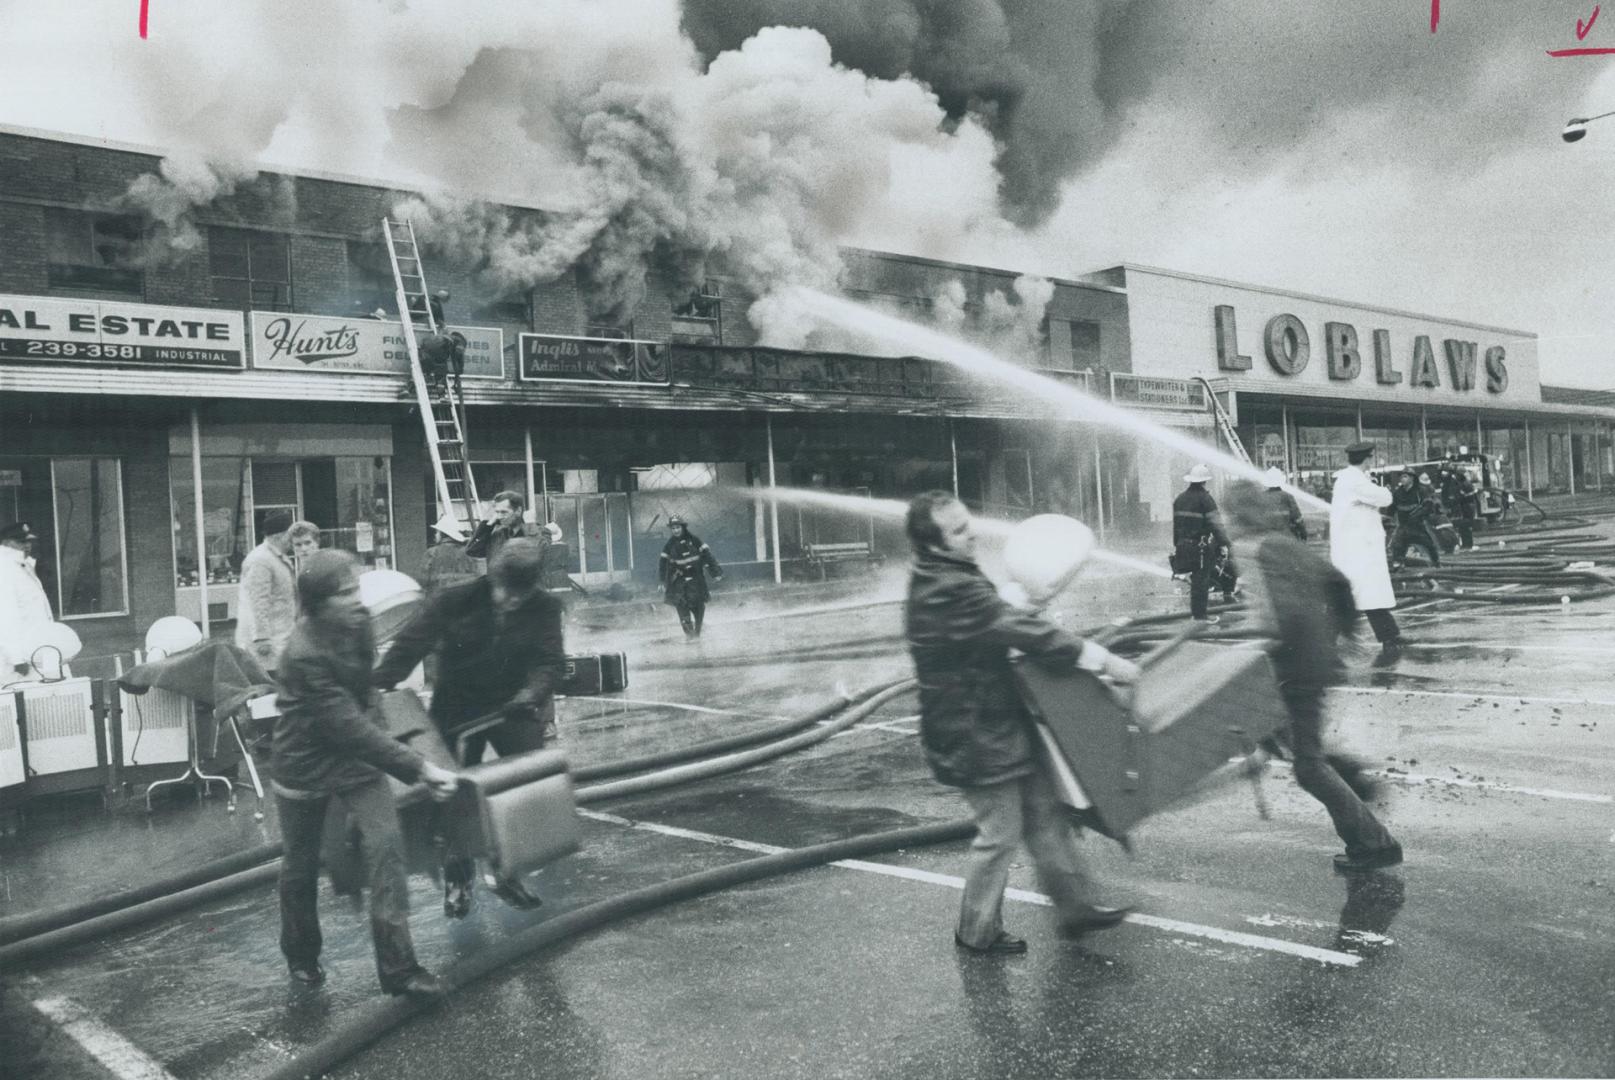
(307, 974)
(422, 985)
(513, 893)
(1005, 943)
(1378, 859)
(1097, 918)
(1388, 655)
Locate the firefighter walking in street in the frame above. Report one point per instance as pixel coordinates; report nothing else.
(682, 573)
(1199, 546)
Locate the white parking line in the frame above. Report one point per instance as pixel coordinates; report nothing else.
(120, 1056)
(1213, 933)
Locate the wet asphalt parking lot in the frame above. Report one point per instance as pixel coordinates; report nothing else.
(1488, 953)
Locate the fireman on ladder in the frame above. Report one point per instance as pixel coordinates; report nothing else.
(439, 351)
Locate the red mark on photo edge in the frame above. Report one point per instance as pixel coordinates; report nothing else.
(144, 10)
(1583, 29)
(1435, 14)
(1581, 52)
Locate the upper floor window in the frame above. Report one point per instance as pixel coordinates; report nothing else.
(699, 319)
(620, 331)
(1073, 344)
(250, 269)
(86, 250)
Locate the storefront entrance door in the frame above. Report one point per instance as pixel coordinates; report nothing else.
(596, 529)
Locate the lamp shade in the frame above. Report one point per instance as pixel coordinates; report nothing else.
(391, 596)
(1044, 553)
(172, 634)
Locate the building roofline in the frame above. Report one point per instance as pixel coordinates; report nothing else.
(262, 166)
(1270, 290)
(1075, 283)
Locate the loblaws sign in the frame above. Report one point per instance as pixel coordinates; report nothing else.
(1288, 348)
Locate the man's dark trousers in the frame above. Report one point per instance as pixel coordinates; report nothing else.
(1316, 772)
(371, 811)
(1199, 591)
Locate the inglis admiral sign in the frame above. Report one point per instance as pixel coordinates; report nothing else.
(558, 358)
(96, 332)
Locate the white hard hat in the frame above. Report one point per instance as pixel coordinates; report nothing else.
(171, 634)
(449, 525)
(1275, 477)
(1198, 475)
(1044, 553)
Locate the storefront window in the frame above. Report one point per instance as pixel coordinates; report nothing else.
(226, 519)
(75, 505)
(1397, 439)
(1449, 438)
(349, 498)
(1320, 449)
(1505, 445)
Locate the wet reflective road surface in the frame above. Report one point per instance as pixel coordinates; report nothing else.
(1488, 953)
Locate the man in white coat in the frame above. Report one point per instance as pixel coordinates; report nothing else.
(1357, 548)
(25, 615)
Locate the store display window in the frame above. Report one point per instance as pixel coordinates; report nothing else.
(75, 505)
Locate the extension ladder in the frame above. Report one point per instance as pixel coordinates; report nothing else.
(1225, 426)
(442, 416)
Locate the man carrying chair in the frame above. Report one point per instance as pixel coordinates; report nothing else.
(500, 655)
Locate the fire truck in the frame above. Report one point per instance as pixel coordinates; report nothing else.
(1495, 500)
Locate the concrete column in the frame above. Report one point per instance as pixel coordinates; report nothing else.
(773, 503)
(1099, 486)
(1359, 423)
(1480, 437)
(1289, 457)
(1530, 466)
(1570, 454)
(953, 450)
(198, 523)
(532, 490)
(1424, 432)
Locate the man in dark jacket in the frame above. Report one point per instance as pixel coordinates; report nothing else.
(977, 733)
(1288, 509)
(1468, 510)
(1304, 604)
(1412, 509)
(500, 653)
(504, 522)
(1198, 543)
(328, 744)
(682, 572)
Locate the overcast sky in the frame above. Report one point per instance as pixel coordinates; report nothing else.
(1330, 148)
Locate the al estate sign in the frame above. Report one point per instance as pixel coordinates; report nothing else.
(101, 332)
(1288, 348)
(363, 346)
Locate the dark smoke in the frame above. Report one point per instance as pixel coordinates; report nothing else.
(1025, 68)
